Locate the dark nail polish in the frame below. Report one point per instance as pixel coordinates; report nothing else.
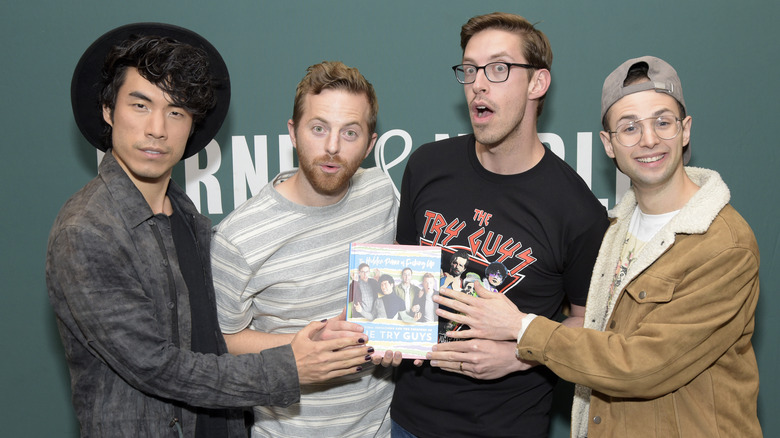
(368, 357)
(361, 341)
(359, 369)
(324, 320)
(370, 349)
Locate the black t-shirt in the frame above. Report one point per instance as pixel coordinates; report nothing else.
(210, 422)
(539, 231)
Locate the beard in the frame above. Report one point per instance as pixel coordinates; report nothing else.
(324, 183)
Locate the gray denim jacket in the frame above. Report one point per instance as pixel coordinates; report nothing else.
(123, 314)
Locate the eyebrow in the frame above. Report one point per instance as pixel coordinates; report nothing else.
(491, 58)
(632, 117)
(356, 123)
(145, 98)
(140, 95)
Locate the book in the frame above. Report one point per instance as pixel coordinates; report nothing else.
(391, 289)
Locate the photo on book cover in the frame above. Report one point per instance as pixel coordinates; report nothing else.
(391, 289)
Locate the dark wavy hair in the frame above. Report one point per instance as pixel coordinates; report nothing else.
(179, 69)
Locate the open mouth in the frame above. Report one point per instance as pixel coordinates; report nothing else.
(330, 168)
(483, 111)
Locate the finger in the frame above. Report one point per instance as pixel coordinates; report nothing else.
(342, 342)
(454, 366)
(455, 317)
(338, 326)
(462, 334)
(335, 334)
(418, 362)
(460, 347)
(312, 328)
(382, 358)
(458, 296)
(483, 292)
(345, 359)
(387, 359)
(454, 304)
(343, 315)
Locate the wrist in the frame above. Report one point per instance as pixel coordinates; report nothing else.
(524, 323)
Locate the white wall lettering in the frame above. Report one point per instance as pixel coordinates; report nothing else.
(194, 176)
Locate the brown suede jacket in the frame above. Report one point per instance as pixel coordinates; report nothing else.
(673, 357)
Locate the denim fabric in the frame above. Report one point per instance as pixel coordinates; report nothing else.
(396, 431)
(116, 288)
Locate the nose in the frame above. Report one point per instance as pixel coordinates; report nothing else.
(649, 137)
(332, 143)
(481, 82)
(155, 125)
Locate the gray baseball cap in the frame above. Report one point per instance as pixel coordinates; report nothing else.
(663, 79)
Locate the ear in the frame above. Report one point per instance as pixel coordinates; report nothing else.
(686, 123)
(108, 116)
(606, 139)
(291, 131)
(539, 84)
(371, 144)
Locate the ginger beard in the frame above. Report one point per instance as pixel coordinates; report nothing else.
(328, 175)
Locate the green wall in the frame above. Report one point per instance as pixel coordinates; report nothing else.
(725, 52)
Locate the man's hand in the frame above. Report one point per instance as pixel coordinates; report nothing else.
(478, 358)
(338, 327)
(490, 315)
(318, 361)
(388, 359)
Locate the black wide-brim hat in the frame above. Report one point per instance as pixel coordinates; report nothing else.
(85, 86)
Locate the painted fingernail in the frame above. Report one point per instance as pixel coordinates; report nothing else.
(358, 369)
(370, 349)
(324, 320)
(361, 341)
(368, 357)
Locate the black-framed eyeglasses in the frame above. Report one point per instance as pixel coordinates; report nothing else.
(494, 71)
(629, 134)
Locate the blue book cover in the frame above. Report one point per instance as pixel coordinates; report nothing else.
(391, 289)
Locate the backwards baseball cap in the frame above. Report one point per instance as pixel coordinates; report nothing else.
(85, 86)
(663, 79)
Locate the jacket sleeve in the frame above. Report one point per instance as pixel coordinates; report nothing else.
(687, 326)
(97, 295)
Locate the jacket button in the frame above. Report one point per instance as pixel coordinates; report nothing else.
(612, 324)
(597, 419)
(642, 295)
(171, 305)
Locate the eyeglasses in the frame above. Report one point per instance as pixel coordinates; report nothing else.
(494, 71)
(629, 134)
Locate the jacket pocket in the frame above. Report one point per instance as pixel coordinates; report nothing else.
(649, 289)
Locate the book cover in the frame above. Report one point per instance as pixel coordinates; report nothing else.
(391, 289)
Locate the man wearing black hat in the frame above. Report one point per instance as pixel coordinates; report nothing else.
(666, 349)
(128, 267)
